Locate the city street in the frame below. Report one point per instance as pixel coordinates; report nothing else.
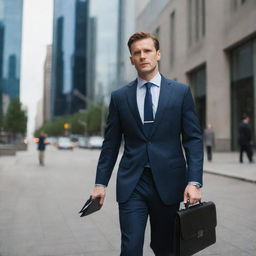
(39, 208)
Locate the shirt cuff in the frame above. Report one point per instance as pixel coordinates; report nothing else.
(100, 185)
(197, 184)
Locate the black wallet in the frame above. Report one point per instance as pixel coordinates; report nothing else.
(92, 205)
(195, 228)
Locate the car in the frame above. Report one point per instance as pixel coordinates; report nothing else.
(95, 142)
(65, 143)
(52, 140)
(82, 142)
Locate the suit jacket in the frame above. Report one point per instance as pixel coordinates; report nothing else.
(176, 124)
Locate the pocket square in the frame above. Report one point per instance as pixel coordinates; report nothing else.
(92, 205)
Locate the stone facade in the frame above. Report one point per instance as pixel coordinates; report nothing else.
(197, 33)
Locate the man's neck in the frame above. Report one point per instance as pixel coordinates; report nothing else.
(148, 76)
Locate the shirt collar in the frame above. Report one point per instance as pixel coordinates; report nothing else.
(156, 80)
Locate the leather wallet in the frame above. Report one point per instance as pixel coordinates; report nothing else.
(195, 228)
(92, 205)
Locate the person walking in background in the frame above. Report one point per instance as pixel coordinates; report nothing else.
(209, 141)
(41, 147)
(151, 113)
(245, 138)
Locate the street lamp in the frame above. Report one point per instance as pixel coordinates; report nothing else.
(90, 102)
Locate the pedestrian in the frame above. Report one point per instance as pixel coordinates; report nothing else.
(245, 138)
(151, 113)
(209, 141)
(41, 147)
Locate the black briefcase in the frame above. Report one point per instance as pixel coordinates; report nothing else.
(195, 228)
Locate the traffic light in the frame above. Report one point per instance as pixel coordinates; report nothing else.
(66, 126)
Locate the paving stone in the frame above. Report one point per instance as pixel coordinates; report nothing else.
(39, 207)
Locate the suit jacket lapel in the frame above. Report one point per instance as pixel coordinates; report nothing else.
(164, 97)
(132, 102)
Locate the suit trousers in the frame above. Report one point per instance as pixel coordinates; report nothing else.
(133, 215)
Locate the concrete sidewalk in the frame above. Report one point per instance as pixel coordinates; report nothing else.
(227, 164)
(39, 207)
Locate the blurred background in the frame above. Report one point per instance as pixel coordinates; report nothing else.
(59, 61)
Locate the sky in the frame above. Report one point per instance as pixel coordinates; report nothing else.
(37, 34)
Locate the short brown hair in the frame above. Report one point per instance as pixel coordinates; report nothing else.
(142, 35)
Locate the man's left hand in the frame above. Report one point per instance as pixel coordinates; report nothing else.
(193, 193)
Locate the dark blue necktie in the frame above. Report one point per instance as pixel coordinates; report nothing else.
(148, 111)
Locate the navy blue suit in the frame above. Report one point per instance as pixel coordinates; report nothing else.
(176, 125)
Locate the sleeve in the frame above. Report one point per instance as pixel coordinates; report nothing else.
(192, 139)
(111, 145)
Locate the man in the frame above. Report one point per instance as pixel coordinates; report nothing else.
(41, 147)
(209, 141)
(245, 138)
(151, 113)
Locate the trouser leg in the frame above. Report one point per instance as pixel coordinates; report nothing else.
(248, 150)
(209, 153)
(41, 157)
(241, 153)
(133, 216)
(162, 219)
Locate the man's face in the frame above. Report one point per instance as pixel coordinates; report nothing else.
(144, 56)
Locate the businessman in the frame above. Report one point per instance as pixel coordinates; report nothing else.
(157, 120)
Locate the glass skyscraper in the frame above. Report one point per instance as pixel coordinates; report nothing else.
(69, 56)
(10, 49)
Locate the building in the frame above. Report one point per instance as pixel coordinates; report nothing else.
(127, 13)
(211, 45)
(91, 53)
(10, 50)
(126, 27)
(69, 56)
(39, 114)
(47, 85)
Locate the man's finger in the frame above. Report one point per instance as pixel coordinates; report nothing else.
(102, 199)
(185, 197)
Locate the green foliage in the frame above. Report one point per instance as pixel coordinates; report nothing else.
(88, 123)
(1, 119)
(15, 120)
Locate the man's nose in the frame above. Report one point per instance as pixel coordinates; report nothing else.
(142, 55)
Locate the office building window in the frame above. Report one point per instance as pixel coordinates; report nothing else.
(197, 79)
(196, 20)
(172, 38)
(243, 87)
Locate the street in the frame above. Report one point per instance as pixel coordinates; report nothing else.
(39, 208)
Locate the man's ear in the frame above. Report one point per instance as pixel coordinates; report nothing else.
(158, 54)
(131, 60)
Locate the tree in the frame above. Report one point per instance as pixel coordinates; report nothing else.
(88, 122)
(1, 120)
(15, 121)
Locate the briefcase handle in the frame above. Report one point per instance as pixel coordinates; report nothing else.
(187, 204)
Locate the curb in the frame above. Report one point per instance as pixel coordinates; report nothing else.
(230, 176)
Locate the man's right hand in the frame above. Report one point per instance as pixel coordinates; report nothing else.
(99, 191)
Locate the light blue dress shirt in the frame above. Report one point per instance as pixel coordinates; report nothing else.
(141, 93)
